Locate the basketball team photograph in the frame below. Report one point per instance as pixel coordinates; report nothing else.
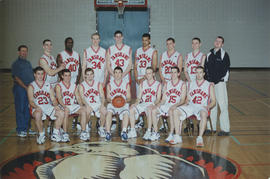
(129, 89)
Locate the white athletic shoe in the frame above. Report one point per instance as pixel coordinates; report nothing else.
(199, 141)
(177, 139)
(154, 136)
(84, 136)
(41, 138)
(147, 135)
(101, 132)
(169, 138)
(65, 137)
(132, 133)
(56, 136)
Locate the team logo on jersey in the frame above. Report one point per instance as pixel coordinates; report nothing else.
(120, 160)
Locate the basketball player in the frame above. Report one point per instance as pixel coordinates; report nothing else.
(68, 97)
(120, 55)
(43, 103)
(193, 60)
(169, 59)
(174, 95)
(146, 56)
(200, 99)
(71, 59)
(118, 87)
(149, 96)
(92, 95)
(94, 57)
(48, 63)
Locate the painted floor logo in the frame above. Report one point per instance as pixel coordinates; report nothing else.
(120, 160)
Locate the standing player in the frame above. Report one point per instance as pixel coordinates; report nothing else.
(71, 59)
(174, 95)
(193, 60)
(43, 103)
(48, 63)
(118, 87)
(93, 98)
(68, 95)
(149, 95)
(94, 58)
(145, 56)
(169, 59)
(119, 55)
(200, 99)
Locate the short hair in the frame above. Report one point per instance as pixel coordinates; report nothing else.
(96, 33)
(118, 68)
(65, 71)
(88, 69)
(220, 37)
(38, 68)
(118, 32)
(146, 35)
(176, 67)
(22, 46)
(68, 38)
(200, 67)
(197, 38)
(170, 38)
(150, 68)
(46, 40)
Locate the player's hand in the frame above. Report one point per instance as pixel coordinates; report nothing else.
(207, 108)
(38, 109)
(151, 106)
(62, 66)
(141, 80)
(57, 108)
(173, 107)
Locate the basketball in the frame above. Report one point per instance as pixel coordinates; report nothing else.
(118, 101)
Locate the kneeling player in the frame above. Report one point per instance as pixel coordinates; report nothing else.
(174, 94)
(92, 96)
(68, 97)
(149, 96)
(43, 103)
(200, 98)
(118, 87)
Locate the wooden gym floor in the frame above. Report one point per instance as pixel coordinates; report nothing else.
(247, 148)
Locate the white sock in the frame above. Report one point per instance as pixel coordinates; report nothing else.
(124, 130)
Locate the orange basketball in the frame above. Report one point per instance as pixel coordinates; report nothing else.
(118, 101)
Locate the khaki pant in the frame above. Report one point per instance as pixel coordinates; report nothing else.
(222, 102)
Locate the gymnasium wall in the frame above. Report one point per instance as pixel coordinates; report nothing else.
(243, 23)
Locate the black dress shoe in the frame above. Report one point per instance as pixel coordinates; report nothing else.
(222, 133)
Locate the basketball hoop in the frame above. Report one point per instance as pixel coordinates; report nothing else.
(120, 7)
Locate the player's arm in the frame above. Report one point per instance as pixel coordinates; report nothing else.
(158, 95)
(164, 98)
(128, 94)
(30, 94)
(139, 97)
(108, 63)
(180, 63)
(52, 97)
(109, 99)
(155, 60)
(185, 70)
(48, 70)
(59, 96)
(83, 63)
(78, 97)
(20, 82)
(81, 91)
(128, 69)
(160, 71)
(203, 60)
(79, 72)
(101, 92)
(135, 71)
(212, 98)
